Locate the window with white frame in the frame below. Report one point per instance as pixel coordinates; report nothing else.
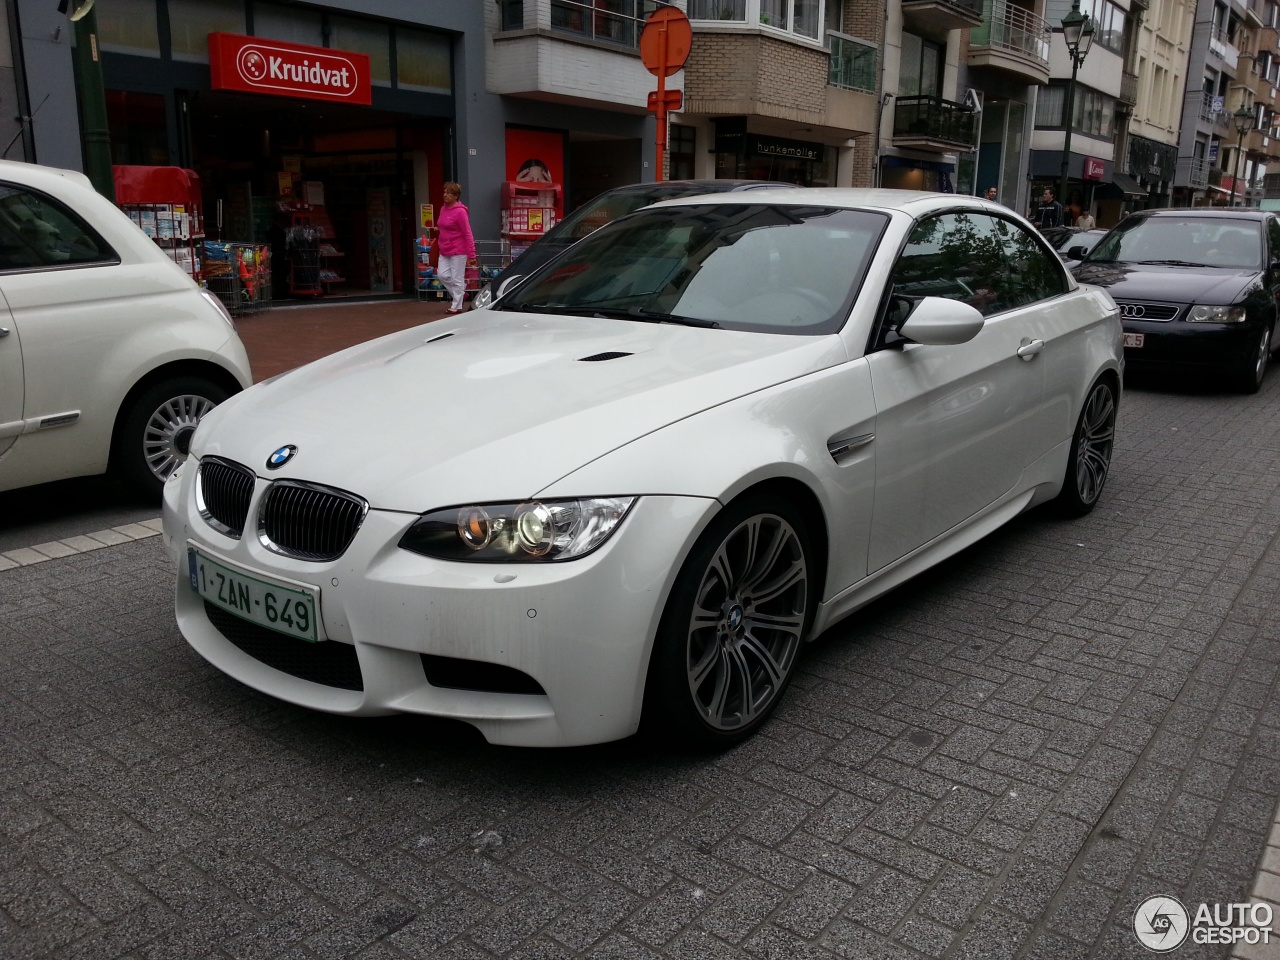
(803, 18)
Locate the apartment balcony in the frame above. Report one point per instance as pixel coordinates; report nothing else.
(936, 18)
(933, 124)
(1215, 118)
(1193, 172)
(1012, 39)
(764, 74)
(1128, 89)
(570, 51)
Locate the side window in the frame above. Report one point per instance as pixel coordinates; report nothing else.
(960, 256)
(1273, 240)
(1030, 272)
(38, 231)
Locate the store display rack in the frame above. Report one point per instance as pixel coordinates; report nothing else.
(528, 211)
(313, 254)
(238, 274)
(165, 204)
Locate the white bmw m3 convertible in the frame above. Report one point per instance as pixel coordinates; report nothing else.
(630, 491)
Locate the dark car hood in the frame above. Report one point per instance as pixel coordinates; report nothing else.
(1171, 284)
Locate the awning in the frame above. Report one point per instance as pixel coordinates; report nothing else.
(1125, 187)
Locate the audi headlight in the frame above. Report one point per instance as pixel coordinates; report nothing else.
(517, 532)
(1203, 314)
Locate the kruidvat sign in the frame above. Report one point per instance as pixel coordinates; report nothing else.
(255, 65)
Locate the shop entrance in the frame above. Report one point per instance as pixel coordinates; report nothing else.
(333, 189)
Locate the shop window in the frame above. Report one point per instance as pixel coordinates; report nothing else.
(289, 24)
(681, 144)
(367, 37)
(138, 131)
(191, 22)
(129, 26)
(423, 61)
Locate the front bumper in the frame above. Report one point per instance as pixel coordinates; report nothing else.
(1182, 344)
(581, 629)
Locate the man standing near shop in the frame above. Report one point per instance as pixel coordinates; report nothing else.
(1050, 212)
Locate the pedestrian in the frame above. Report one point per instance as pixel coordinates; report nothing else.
(993, 194)
(457, 247)
(1050, 212)
(1085, 221)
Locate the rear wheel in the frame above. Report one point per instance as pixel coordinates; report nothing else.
(154, 436)
(1090, 457)
(731, 633)
(1249, 377)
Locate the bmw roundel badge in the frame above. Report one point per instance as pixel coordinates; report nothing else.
(282, 456)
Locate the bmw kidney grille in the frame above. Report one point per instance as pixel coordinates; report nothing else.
(223, 491)
(309, 521)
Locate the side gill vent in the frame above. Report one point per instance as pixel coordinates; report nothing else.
(612, 355)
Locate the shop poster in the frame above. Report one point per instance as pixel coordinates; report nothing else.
(426, 218)
(535, 156)
(378, 204)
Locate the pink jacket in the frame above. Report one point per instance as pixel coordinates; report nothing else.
(455, 231)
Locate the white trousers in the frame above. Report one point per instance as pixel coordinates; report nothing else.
(452, 272)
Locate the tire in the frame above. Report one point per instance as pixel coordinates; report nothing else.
(1090, 458)
(1248, 379)
(153, 436)
(733, 627)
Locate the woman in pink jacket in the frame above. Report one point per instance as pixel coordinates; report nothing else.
(457, 245)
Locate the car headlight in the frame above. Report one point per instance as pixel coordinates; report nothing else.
(1203, 314)
(517, 532)
(220, 307)
(483, 298)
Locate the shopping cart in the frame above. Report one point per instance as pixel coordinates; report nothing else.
(492, 257)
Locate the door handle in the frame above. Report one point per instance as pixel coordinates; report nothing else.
(1030, 348)
(4, 332)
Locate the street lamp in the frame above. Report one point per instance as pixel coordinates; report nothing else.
(1243, 118)
(1077, 31)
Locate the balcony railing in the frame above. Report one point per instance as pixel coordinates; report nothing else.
(718, 10)
(1012, 28)
(932, 118)
(1194, 171)
(1129, 88)
(1219, 118)
(853, 63)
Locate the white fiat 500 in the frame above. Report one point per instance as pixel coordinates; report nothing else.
(109, 352)
(631, 490)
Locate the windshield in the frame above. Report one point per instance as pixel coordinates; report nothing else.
(782, 269)
(1183, 241)
(609, 206)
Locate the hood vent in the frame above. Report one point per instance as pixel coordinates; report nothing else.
(443, 336)
(612, 355)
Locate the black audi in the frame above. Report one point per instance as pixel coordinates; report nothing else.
(1197, 289)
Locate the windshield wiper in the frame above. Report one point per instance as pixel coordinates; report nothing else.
(1174, 263)
(653, 316)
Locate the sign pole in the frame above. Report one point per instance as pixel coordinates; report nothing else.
(664, 48)
(662, 103)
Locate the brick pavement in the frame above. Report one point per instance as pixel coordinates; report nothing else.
(1000, 760)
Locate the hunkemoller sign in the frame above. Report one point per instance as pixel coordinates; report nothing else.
(255, 65)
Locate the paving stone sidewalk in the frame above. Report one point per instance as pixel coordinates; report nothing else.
(1000, 760)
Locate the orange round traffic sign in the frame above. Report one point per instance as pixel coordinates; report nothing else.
(665, 41)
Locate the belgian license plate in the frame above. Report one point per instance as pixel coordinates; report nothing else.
(290, 610)
(1134, 340)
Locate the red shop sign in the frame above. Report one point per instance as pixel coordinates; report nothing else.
(1094, 168)
(255, 65)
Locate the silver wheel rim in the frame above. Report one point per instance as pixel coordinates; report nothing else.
(1261, 365)
(748, 616)
(1094, 442)
(168, 432)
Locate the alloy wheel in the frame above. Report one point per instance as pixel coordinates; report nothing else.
(747, 621)
(1094, 443)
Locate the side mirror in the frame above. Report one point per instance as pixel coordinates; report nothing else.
(937, 321)
(1077, 253)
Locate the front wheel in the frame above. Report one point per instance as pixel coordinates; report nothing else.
(731, 633)
(1090, 458)
(154, 436)
(1249, 378)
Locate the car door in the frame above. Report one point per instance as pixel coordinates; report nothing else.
(11, 379)
(56, 293)
(956, 425)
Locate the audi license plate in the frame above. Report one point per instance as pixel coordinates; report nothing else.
(290, 610)
(1134, 340)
